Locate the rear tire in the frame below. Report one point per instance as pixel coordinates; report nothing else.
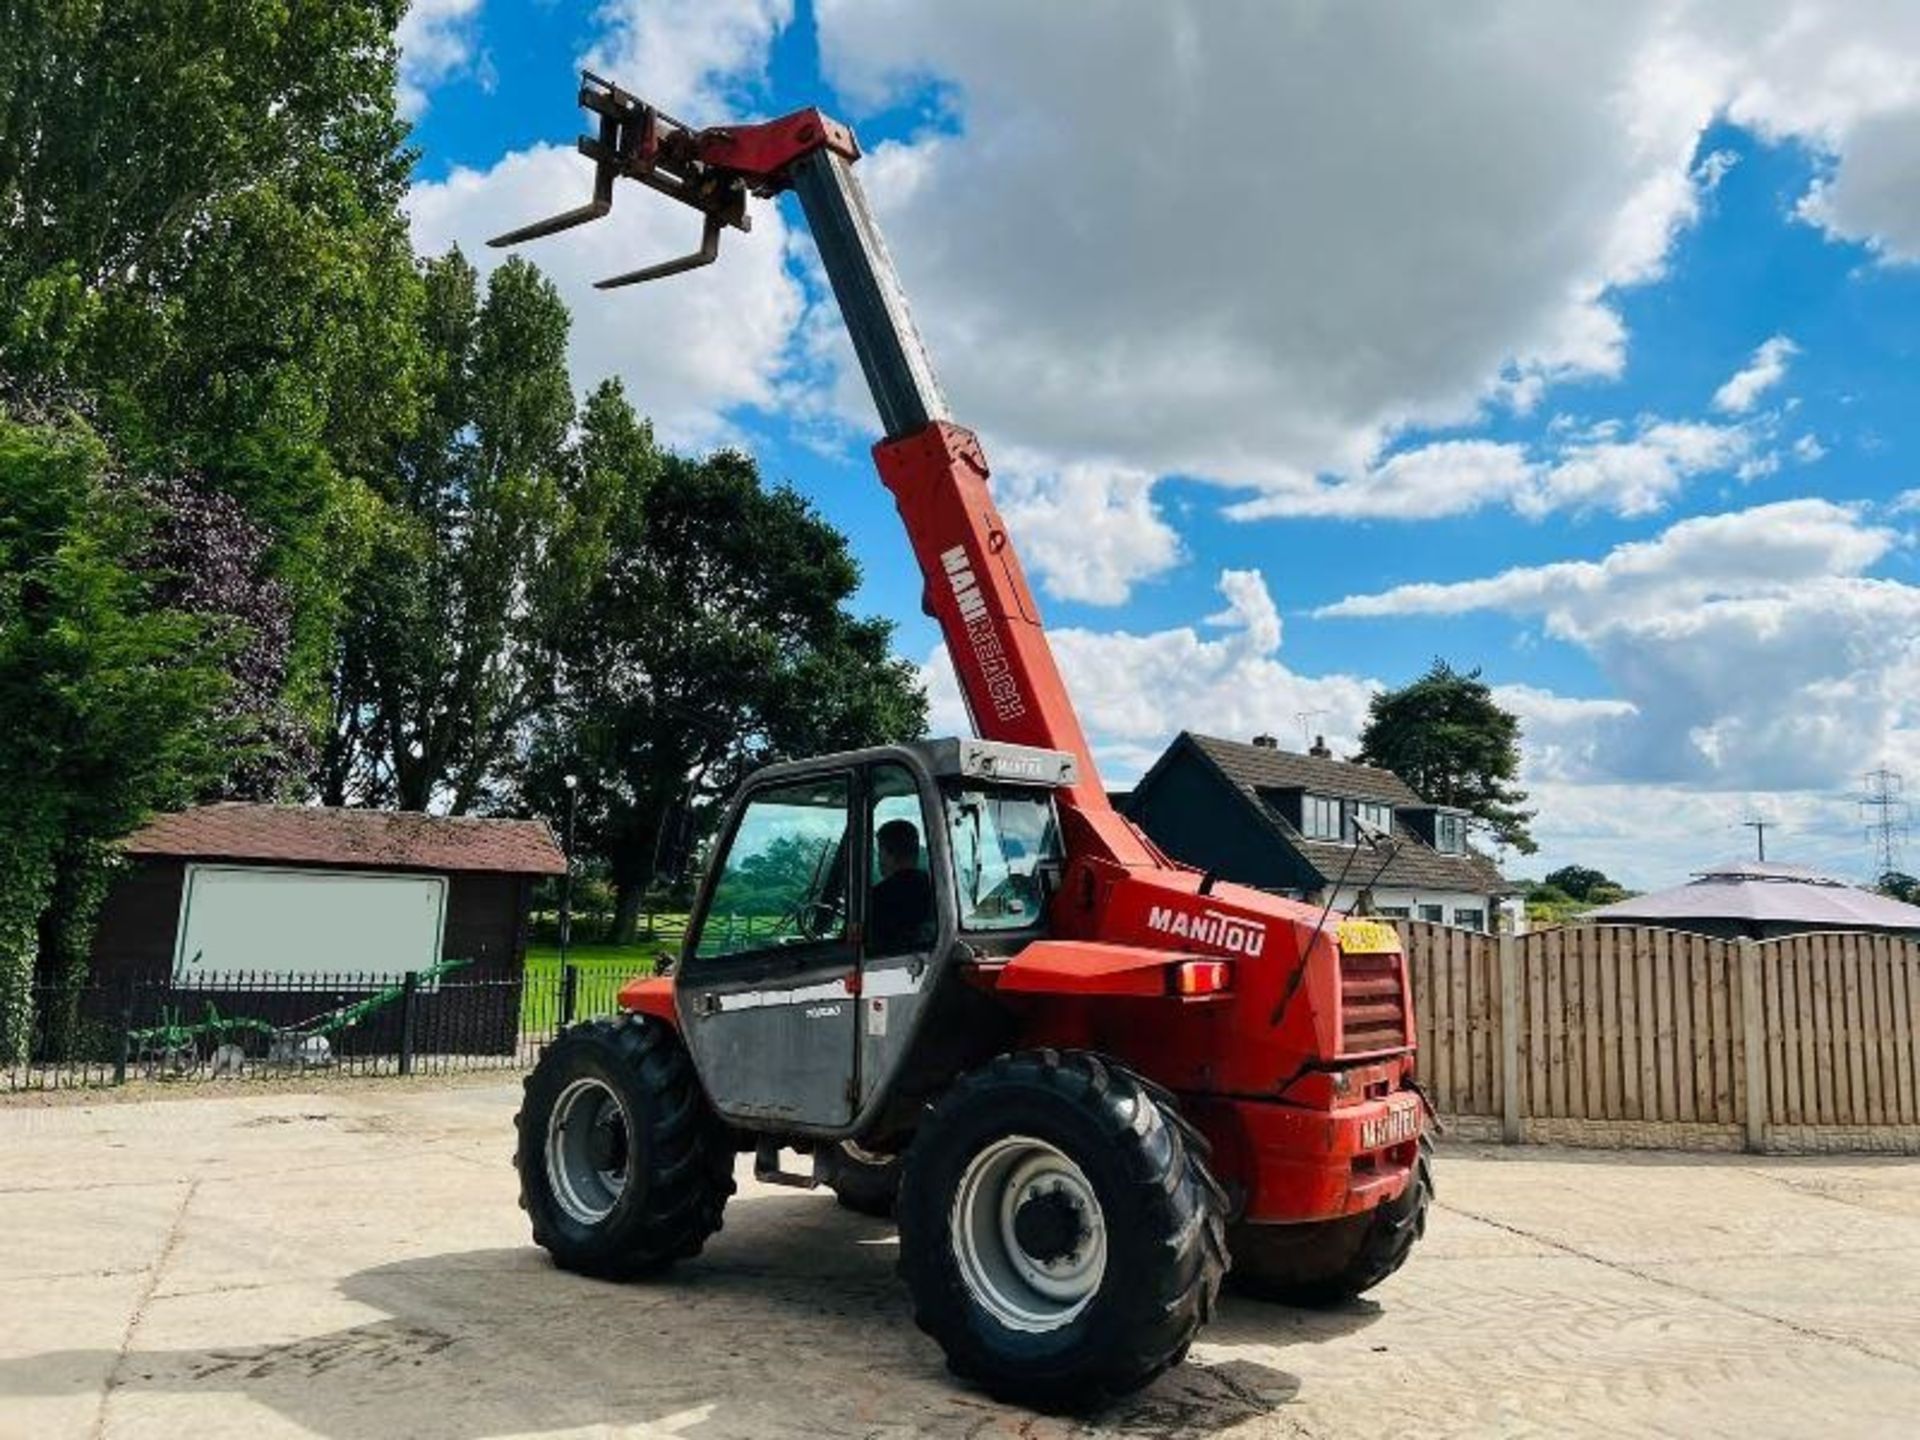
(861, 1181)
(1059, 1232)
(1331, 1262)
(624, 1168)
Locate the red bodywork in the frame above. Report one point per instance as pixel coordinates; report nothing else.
(1300, 1069)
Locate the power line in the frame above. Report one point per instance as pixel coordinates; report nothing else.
(1885, 809)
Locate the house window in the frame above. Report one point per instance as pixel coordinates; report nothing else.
(1369, 813)
(1469, 919)
(1392, 912)
(1320, 818)
(1434, 914)
(1450, 833)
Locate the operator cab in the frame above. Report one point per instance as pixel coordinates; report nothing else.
(838, 892)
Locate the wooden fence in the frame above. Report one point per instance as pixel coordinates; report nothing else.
(1629, 1035)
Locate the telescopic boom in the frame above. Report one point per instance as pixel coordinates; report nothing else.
(974, 586)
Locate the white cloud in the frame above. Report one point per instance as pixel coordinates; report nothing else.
(688, 351)
(436, 40)
(1448, 477)
(1766, 369)
(703, 61)
(1134, 692)
(1843, 78)
(1090, 531)
(1321, 236)
(1598, 468)
(1807, 449)
(1636, 476)
(1753, 648)
(1403, 238)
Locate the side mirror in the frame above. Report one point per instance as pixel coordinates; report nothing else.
(674, 847)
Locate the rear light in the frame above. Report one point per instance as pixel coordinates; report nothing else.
(1201, 977)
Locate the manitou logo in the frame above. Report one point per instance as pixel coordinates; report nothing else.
(987, 650)
(1211, 927)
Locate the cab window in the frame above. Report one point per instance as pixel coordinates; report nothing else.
(900, 899)
(783, 881)
(1001, 839)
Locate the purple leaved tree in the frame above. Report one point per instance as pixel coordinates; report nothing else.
(211, 560)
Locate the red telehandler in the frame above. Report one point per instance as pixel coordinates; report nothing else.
(950, 969)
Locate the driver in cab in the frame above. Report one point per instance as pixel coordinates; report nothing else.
(900, 905)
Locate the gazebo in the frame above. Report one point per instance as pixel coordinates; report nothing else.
(1762, 900)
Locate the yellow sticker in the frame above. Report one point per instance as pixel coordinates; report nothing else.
(1368, 937)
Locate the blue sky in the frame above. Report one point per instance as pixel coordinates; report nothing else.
(1305, 359)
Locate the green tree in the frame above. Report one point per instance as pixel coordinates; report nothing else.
(1578, 882)
(715, 638)
(1900, 886)
(479, 552)
(110, 701)
(1447, 738)
(201, 243)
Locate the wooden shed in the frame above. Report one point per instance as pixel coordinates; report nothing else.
(299, 897)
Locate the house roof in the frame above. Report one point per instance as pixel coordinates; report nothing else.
(321, 835)
(1766, 893)
(1415, 866)
(1259, 767)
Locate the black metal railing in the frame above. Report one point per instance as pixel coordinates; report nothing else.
(445, 1020)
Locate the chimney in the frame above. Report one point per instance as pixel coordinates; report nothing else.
(1319, 749)
(1265, 742)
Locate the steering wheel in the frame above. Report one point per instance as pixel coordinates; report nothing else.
(816, 919)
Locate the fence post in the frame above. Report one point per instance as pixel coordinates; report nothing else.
(409, 990)
(1507, 959)
(1754, 1030)
(569, 993)
(124, 1050)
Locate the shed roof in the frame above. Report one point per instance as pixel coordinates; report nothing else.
(1766, 893)
(1416, 865)
(322, 835)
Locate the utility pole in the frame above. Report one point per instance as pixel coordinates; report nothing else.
(1759, 828)
(1884, 806)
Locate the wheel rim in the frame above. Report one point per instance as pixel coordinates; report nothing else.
(1029, 1234)
(589, 1157)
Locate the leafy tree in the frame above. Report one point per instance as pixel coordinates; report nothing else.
(110, 699)
(1900, 886)
(478, 553)
(1578, 882)
(715, 638)
(201, 242)
(1447, 738)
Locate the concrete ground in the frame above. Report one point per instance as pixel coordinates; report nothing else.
(351, 1264)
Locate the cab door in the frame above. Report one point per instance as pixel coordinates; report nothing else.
(768, 984)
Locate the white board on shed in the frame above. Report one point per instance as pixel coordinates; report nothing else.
(307, 922)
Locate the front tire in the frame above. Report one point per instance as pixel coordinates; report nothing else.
(1330, 1263)
(624, 1168)
(1059, 1232)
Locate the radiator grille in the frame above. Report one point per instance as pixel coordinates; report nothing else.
(1373, 1004)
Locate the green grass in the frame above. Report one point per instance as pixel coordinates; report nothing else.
(602, 970)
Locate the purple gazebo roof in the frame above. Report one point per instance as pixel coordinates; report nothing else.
(1763, 892)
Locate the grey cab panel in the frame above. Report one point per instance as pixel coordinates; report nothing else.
(801, 987)
(769, 969)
